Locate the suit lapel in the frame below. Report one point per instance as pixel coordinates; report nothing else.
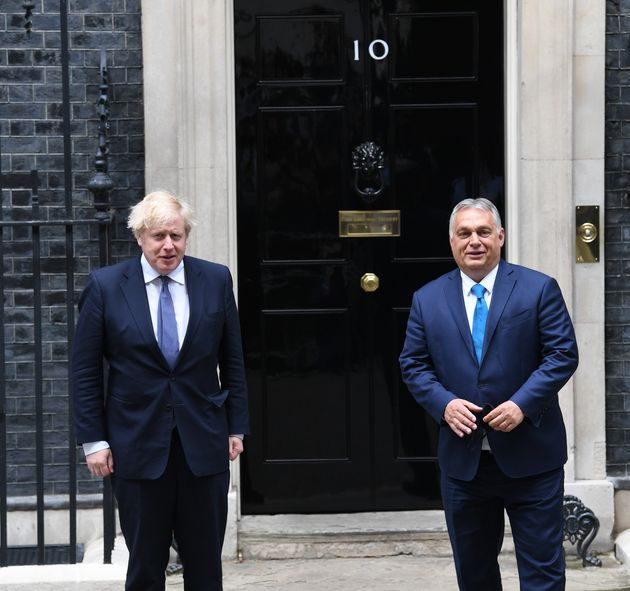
(194, 288)
(455, 299)
(135, 293)
(503, 287)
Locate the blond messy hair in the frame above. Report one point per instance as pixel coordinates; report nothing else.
(157, 209)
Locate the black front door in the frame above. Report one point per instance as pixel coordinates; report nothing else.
(415, 89)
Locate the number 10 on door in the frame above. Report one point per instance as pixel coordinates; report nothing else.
(378, 49)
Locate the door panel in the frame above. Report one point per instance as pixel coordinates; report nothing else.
(300, 48)
(333, 426)
(300, 343)
(301, 178)
(418, 46)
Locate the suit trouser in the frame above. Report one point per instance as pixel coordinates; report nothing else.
(475, 519)
(192, 508)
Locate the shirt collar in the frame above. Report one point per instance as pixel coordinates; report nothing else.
(150, 274)
(487, 281)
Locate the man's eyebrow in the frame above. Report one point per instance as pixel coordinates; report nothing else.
(482, 227)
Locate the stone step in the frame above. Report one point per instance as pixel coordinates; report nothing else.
(347, 535)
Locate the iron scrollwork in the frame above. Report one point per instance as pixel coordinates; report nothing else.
(368, 163)
(581, 527)
(28, 16)
(101, 183)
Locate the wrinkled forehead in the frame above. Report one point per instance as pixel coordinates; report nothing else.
(472, 217)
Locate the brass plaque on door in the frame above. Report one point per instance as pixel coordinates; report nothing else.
(369, 224)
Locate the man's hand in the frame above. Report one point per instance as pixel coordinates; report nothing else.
(459, 416)
(505, 417)
(100, 463)
(236, 447)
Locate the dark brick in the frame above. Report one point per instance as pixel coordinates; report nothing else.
(52, 40)
(22, 127)
(46, 58)
(96, 6)
(25, 74)
(20, 94)
(614, 334)
(128, 58)
(50, 162)
(88, 486)
(620, 111)
(100, 22)
(618, 454)
(46, 22)
(617, 41)
(23, 57)
(54, 111)
(21, 111)
(127, 22)
(97, 39)
(31, 111)
(133, 40)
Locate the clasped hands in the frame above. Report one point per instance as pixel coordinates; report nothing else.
(460, 417)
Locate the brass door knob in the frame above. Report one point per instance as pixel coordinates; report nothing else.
(369, 282)
(587, 232)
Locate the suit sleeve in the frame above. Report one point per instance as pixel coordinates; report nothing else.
(231, 365)
(558, 354)
(87, 366)
(417, 368)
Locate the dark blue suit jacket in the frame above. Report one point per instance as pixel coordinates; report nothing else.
(529, 353)
(145, 397)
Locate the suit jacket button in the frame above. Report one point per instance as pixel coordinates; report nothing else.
(169, 407)
(172, 377)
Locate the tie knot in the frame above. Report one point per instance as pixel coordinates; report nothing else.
(478, 290)
(165, 279)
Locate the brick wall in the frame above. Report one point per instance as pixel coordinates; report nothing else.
(617, 238)
(31, 137)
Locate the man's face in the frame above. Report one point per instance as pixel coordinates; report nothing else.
(164, 246)
(476, 243)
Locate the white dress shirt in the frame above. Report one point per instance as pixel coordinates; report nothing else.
(179, 295)
(470, 301)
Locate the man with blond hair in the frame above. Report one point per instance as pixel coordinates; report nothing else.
(175, 407)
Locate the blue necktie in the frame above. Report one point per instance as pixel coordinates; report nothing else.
(167, 325)
(479, 319)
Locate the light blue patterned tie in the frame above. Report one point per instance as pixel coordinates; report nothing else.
(479, 319)
(167, 324)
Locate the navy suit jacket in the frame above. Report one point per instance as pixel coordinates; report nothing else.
(529, 353)
(146, 398)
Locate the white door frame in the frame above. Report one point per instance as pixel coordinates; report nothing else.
(554, 80)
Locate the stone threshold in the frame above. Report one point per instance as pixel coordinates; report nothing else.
(345, 535)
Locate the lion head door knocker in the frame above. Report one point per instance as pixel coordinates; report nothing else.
(368, 163)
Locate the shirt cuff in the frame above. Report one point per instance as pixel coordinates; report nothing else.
(239, 435)
(94, 446)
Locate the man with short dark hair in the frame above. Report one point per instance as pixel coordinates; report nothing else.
(488, 348)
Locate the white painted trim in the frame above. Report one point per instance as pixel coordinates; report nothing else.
(231, 138)
(231, 191)
(511, 132)
(551, 162)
